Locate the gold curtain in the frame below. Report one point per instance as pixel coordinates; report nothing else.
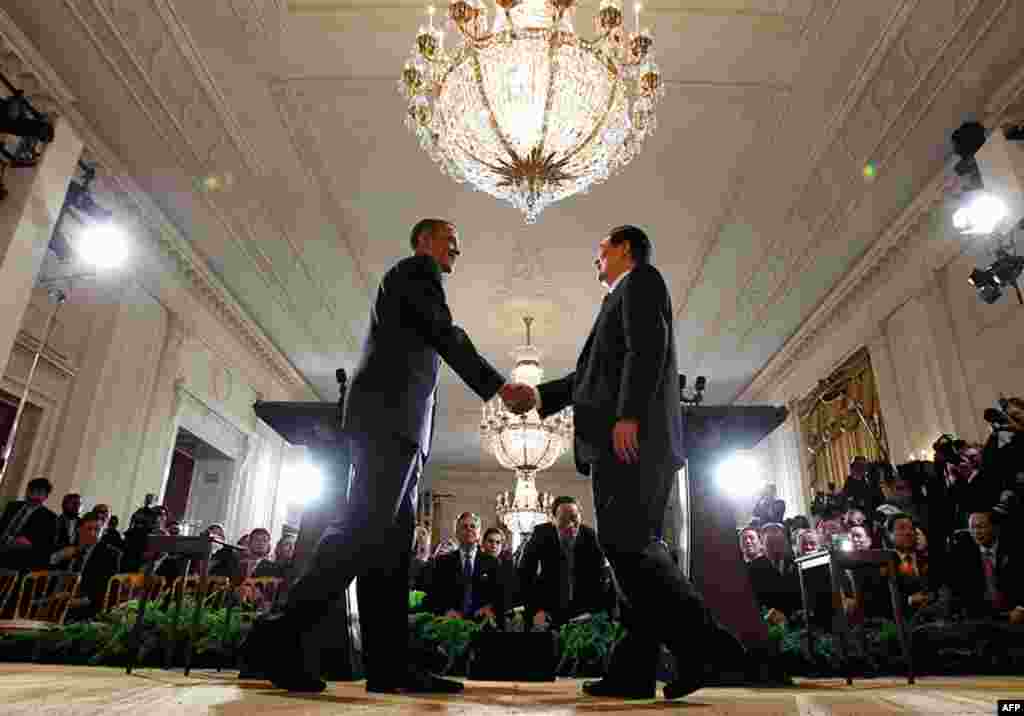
(832, 427)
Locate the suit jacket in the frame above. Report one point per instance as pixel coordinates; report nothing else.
(447, 583)
(549, 590)
(103, 563)
(775, 589)
(627, 369)
(40, 530)
(967, 574)
(270, 568)
(393, 387)
(67, 532)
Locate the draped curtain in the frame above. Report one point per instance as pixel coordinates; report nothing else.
(832, 428)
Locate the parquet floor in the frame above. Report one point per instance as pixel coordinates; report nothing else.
(41, 690)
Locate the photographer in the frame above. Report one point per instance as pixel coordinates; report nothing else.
(1002, 459)
(769, 508)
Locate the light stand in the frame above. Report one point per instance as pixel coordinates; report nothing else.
(59, 297)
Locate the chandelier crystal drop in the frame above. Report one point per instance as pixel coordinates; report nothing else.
(528, 111)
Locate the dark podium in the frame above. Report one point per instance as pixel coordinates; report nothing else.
(318, 427)
(715, 565)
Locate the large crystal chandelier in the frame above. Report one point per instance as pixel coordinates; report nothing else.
(524, 443)
(530, 112)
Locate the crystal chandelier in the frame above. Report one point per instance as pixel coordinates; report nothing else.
(530, 112)
(524, 443)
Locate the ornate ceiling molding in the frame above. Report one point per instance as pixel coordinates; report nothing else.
(152, 223)
(887, 256)
(147, 46)
(27, 69)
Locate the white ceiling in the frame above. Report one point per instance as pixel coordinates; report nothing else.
(751, 188)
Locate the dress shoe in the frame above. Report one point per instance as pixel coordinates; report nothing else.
(678, 688)
(415, 682)
(606, 688)
(274, 651)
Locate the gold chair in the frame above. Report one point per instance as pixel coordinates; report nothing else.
(45, 595)
(216, 589)
(131, 585)
(261, 591)
(8, 584)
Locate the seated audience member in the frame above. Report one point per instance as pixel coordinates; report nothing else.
(854, 516)
(774, 577)
(137, 556)
(419, 564)
(987, 572)
(563, 571)
(750, 544)
(28, 528)
(493, 543)
(95, 561)
(226, 561)
(445, 546)
(807, 542)
(284, 550)
(912, 576)
(860, 538)
(259, 563)
(465, 583)
(173, 528)
(67, 521)
(111, 535)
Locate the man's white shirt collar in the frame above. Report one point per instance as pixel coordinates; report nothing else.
(617, 281)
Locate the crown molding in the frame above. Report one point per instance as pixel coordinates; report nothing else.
(855, 288)
(15, 41)
(201, 282)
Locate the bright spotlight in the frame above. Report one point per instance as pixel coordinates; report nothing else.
(305, 482)
(739, 475)
(103, 246)
(981, 215)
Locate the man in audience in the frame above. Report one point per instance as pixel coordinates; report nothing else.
(137, 555)
(750, 544)
(854, 516)
(774, 580)
(67, 522)
(987, 572)
(807, 542)
(259, 563)
(493, 543)
(226, 561)
(465, 583)
(111, 535)
(860, 537)
(95, 561)
(574, 573)
(28, 529)
(173, 528)
(913, 568)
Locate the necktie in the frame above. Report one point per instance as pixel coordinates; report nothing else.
(991, 588)
(907, 565)
(467, 587)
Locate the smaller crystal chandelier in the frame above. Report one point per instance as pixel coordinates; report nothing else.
(524, 443)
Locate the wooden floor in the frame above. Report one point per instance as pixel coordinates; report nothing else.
(37, 690)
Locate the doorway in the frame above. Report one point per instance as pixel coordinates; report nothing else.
(198, 483)
(15, 477)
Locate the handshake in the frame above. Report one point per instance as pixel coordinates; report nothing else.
(519, 397)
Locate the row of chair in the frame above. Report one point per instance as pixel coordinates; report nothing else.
(46, 595)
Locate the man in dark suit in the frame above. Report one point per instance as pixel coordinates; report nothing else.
(389, 417)
(573, 573)
(67, 521)
(28, 529)
(987, 572)
(467, 583)
(629, 439)
(96, 561)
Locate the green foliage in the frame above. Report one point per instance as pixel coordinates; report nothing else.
(448, 635)
(584, 646)
(416, 600)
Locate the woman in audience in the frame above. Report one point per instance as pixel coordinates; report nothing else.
(419, 565)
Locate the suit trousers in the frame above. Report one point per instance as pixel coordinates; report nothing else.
(663, 606)
(372, 543)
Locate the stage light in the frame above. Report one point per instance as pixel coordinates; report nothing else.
(982, 214)
(103, 246)
(304, 483)
(739, 475)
